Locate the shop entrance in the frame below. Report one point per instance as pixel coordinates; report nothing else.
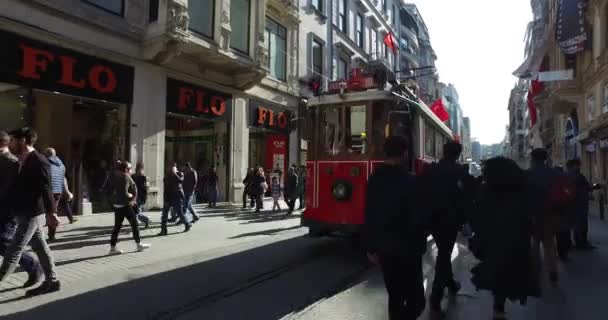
(88, 135)
(203, 144)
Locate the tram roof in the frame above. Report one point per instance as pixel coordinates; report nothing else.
(364, 96)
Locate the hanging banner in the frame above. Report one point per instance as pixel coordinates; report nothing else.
(276, 154)
(538, 35)
(571, 32)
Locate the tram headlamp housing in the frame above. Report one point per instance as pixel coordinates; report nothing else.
(342, 190)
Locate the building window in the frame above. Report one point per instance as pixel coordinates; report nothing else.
(317, 57)
(375, 47)
(384, 6)
(276, 43)
(359, 31)
(153, 11)
(317, 4)
(113, 6)
(605, 94)
(342, 18)
(394, 15)
(590, 107)
(201, 16)
(239, 22)
(342, 69)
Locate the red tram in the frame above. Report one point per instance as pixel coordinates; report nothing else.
(345, 135)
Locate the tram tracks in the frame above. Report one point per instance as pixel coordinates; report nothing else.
(326, 249)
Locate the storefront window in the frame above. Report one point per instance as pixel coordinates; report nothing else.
(332, 139)
(190, 140)
(13, 106)
(356, 130)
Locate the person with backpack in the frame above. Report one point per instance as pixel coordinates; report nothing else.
(448, 200)
(546, 197)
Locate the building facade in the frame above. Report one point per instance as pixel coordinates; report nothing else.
(466, 139)
(212, 83)
(517, 132)
(476, 151)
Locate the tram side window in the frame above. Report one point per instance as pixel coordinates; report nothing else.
(332, 139)
(429, 141)
(438, 145)
(356, 130)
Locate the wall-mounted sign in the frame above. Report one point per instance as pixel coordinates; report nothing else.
(43, 66)
(269, 115)
(189, 99)
(571, 30)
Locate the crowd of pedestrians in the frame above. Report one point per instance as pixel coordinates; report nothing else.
(513, 215)
(257, 184)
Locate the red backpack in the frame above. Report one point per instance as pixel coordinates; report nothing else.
(562, 192)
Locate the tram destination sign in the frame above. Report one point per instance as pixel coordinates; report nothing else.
(358, 81)
(39, 65)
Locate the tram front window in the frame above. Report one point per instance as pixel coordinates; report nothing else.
(332, 139)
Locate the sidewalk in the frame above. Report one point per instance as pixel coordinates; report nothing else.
(81, 250)
(580, 293)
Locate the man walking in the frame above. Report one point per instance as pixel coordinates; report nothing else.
(447, 201)
(580, 206)
(190, 183)
(59, 187)
(9, 168)
(174, 199)
(291, 189)
(542, 179)
(31, 199)
(394, 233)
(302, 186)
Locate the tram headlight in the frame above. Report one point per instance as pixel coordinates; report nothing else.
(342, 190)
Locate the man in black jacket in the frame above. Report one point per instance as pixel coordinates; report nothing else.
(394, 232)
(291, 189)
(447, 199)
(174, 199)
(31, 199)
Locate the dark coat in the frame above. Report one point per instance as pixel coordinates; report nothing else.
(174, 192)
(292, 184)
(502, 226)
(141, 182)
(255, 188)
(190, 181)
(540, 181)
(31, 194)
(9, 168)
(393, 225)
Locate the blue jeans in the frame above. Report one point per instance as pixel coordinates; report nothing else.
(178, 208)
(27, 260)
(213, 194)
(188, 206)
(140, 214)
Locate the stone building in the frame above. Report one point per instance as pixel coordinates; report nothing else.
(213, 83)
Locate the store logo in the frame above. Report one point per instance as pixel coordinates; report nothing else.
(200, 102)
(267, 117)
(36, 62)
(278, 144)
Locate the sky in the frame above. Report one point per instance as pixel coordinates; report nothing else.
(479, 43)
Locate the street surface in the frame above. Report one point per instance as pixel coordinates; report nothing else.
(236, 264)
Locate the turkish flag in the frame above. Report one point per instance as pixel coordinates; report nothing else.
(390, 42)
(439, 110)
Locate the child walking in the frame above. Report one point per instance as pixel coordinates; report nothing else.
(275, 189)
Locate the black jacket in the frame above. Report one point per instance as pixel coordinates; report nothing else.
(141, 182)
(9, 167)
(190, 181)
(393, 225)
(174, 191)
(292, 184)
(31, 194)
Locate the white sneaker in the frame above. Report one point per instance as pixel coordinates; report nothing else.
(142, 246)
(115, 251)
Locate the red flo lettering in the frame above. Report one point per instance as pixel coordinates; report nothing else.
(36, 62)
(189, 99)
(271, 119)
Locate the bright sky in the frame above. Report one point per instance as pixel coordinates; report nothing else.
(479, 43)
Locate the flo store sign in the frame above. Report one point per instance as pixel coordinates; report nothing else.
(39, 65)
